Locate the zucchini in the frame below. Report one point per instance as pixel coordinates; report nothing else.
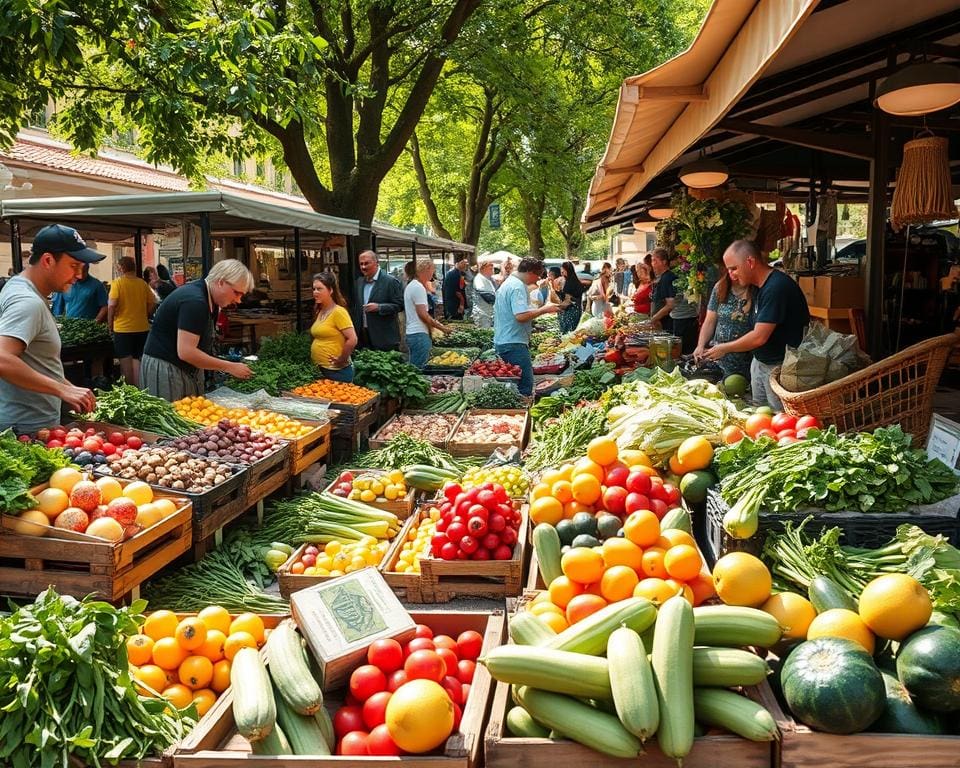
(559, 671)
(672, 661)
(546, 543)
(631, 680)
(727, 667)
(274, 743)
(825, 594)
(326, 726)
(290, 671)
(590, 635)
(254, 708)
(527, 629)
(580, 722)
(303, 731)
(734, 626)
(735, 713)
(519, 723)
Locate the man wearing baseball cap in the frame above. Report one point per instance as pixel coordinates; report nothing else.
(32, 384)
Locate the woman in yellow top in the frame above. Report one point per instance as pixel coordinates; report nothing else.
(334, 337)
(131, 302)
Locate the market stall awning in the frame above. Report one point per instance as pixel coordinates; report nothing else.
(394, 237)
(662, 112)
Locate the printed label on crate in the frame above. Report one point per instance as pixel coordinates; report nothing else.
(355, 613)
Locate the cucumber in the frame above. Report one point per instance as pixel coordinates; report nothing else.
(274, 743)
(527, 629)
(574, 674)
(672, 661)
(631, 680)
(290, 671)
(590, 635)
(727, 667)
(521, 724)
(546, 543)
(736, 713)
(825, 594)
(254, 708)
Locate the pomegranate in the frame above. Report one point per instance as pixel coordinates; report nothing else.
(72, 519)
(123, 510)
(85, 495)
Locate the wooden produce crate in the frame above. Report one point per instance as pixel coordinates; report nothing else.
(293, 582)
(267, 475)
(388, 407)
(440, 581)
(377, 441)
(215, 743)
(312, 447)
(354, 419)
(401, 507)
(456, 448)
(77, 564)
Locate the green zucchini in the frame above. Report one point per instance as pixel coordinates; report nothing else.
(303, 732)
(290, 671)
(574, 674)
(590, 635)
(519, 723)
(727, 667)
(672, 661)
(825, 594)
(735, 713)
(254, 708)
(527, 629)
(546, 543)
(631, 680)
(274, 743)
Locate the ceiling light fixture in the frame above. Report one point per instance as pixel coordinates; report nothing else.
(661, 213)
(919, 89)
(703, 173)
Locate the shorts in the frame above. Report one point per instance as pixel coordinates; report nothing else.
(130, 344)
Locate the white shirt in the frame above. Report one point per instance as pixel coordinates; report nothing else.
(414, 295)
(367, 290)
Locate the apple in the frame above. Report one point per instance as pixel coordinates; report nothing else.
(638, 482)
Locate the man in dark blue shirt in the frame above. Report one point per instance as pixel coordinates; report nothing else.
(780, 318)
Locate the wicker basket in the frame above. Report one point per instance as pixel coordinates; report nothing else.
(897, 390)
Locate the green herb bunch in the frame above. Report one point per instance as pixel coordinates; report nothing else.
(22, 466)
(288, 347)
(390, 375)
(276, 376)
(466, 336)
(77, 331)
(131, 407)
(495, 395)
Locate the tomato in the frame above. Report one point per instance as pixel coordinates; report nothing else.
(465, 670)
(117, 438)
(449, 660)
(54, 444)
(508, 536)
(90, 431)
(786, 433)
(636, 501)
(367, 680)
(353, 743)
(453, 688)
(445, 641)
(731, 434)
(451, 491)
(134, 442)
(375, 708)
(616, 474)
(659, 508)
(765, 433)
(783, 421)
(448, 551)
(808, 422)
(469, 644)
(58, 433)
(503, 552)
(397, 679)
(638, 482)
(659, 493)
(109, 449)
(672, 493)
(756, 422)
(425, 665)
(481, 554)
(419, 644)
(387, 654)
(72, 442)
(380, 743)
(347, 719)
(457, 716)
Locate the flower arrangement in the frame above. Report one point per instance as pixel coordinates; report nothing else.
(701, 230)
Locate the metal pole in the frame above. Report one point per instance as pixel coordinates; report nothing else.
(138, 252)
(15, 246)
(206, 247)
(298, 277)
(876, 232)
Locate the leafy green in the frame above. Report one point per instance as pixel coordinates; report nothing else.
(288, 347)
(77, 331)
(22, 466)
(131, 407)
(466, 336)
(565, 437)
(495, 395)
(276, 376)
(389, 374)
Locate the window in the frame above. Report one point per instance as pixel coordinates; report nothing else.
(238, 167)
(261, 171)
(279, 180)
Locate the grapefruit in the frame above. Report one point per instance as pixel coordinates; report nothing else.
(840, 622)
(793, 612)
(742, 579)
(65, 479)
(419, 716)
(735, 385)
(895, 605)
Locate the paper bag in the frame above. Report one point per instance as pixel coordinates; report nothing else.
(823, 356)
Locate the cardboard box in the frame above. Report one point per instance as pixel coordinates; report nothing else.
(838, 292)
(341, 617)
(807, 285)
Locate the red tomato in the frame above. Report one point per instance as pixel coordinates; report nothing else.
(445, 641)
(658, 492)
(457, 716)
(134, 442)
(90, 431)
(465, 692)
(386, 654)
(367, 680)
(636, 501)
(72, 442)
(54, 444)
(451, 491)
(616, 474)
(419, 644)
(347, 719)
(353, 743)
(756, 422)
(615, 499)
(808, 422)
(449, 660)
(380, 743)
(453, 688)
(425, 665)
(503, 552)
(783, 421)
(396, 679)
(58, 432)
(765, 433)
(465, 671)
(659, 508)
(375, 708)
(117, 438)
(469, 644)
(638, 482)
(109, 449)
(786, 433)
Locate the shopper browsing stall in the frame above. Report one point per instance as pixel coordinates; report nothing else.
(728, 318)
(179, 346)
(128, 310)
(485, 292)
(86, 298)
(570, 291)
(334, 337)
(419, 322)
(780, 317)
(454, 291)
(644, 288)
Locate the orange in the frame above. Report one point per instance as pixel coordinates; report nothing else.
(618, 551)
(248, 622)
(196, 672)
(695, 453)
(545, 607)
(572, 507)
(555, 621)
(582, 606)
(585, 488)
(539, 491)
(562, 491)
(552, 476)
(139, 649)
(152, 677)
(562, 590)
(215, 617)
(657, 591)
(167, 653)
(221, 676)
(546, 509)
(676, 466)
(212, 646)
(582, 565)
(204, 699)
(839, 622)
(895, 605)
(618, 583)
(588, 467)
(702, 587)
(652, 563)
(178, 695)
(191, 633)
(236, 641)
(731, 434)
(675, 536)
(642, 528)
(678, 587)
(594, 589)
(633, 457)
(793, 612)
(160, 624)
(682, 562)
(742, 579)
(602, 450)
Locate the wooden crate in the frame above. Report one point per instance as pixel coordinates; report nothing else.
(388, 407)
(408, 587)
(214, 743)
(312, 447)
(294, 582)
(400, 507)
(267, 475)
(485, 449)
(353, 419)
(377, 442)
(77, 564)
(501, 750)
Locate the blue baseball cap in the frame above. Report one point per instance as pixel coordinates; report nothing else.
(58, 238)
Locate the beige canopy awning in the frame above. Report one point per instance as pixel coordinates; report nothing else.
(662, 112)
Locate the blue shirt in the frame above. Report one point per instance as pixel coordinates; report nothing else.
(512, 299)
(85, 298)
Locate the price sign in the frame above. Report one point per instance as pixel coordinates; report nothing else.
(943, 441)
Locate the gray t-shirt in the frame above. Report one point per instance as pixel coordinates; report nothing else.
(24, 315)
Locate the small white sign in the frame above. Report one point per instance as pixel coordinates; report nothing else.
(943, 441)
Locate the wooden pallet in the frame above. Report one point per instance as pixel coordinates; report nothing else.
(215, 743)
(502, 750)
(312, 447)
(377, 442)
(485, 449)
(81, 565)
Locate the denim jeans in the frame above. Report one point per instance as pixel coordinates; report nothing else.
(760, 388)
(519, 354)
(342, 374)
(418, 345)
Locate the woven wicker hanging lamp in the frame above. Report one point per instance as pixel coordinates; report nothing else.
(923, 191)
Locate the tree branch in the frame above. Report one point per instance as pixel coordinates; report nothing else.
(425, 194)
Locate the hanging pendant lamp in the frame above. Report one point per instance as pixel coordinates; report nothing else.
(661, 213)
(703, 173)
(918, 89)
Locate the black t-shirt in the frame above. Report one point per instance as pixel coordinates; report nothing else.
(780, 301)
(573, 288)
(663, 289)
(188, 309)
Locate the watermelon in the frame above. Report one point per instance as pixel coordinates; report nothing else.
(831, 684)
(901, 715)
(928, 665)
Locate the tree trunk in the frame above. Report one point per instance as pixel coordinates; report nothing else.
(533, 207)
(426, 195)
(488, 157)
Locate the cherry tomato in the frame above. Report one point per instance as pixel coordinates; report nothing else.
(419, 644)
(379, 742)
(449, 660)
(808, 422)
(453, 688)
(375, 709)
(354, 743)
(385, 654)
(465, 670)
(756, 422)
(765, 433)
(396, 679)
(783, 421)
(445, 641)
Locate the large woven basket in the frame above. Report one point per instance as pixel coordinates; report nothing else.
(897, 390)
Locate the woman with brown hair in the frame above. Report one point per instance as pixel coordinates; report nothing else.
(728, 318)
(643, 279)
(334, 337)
